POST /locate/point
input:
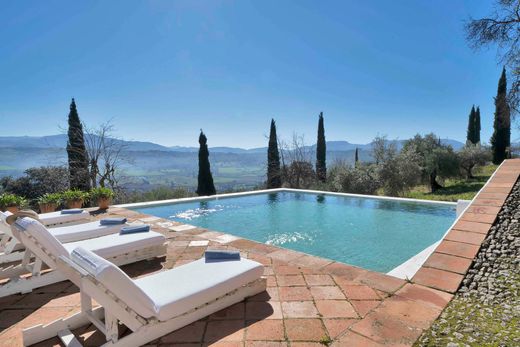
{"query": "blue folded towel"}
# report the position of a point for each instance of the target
(135, 229)
(72, 211)
(219, 255)
(112, 221)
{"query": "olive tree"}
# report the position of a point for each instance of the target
(471, 156)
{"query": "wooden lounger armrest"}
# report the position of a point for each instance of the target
(68, 262)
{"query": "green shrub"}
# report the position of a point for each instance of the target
(50, 198)
(11, 200)
(101, 193)
(74, 195)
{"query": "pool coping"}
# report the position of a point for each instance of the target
(276, 190)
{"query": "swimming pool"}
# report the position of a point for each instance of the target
(376, 234)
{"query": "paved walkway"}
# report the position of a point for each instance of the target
(309, 301)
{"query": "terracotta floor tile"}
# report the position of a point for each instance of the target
(488, 202)
(190, 333)
(318, 280)
(270, 294)
(311, 262)
(381, 281)
(287, 270)
(413, 312)
(294, 293)
(304, 329)
(383, 329)
(299, 309)
(222, 344)
(327, 293)
(359, 292)
(465, 236)
(475, 227)
(236, 311)
(9, 318)
(346, 271)
(494, 196)
(438, 279)
(290, 280)
(338, 326)
(266, 330)
(256, 310)
(335, 309)
(265, 344)
(459, 249)
(480, 218)
(224, 330)
(448, 262)
(425, 295)
(271, 281)
(285, 255)
(351, 339)
(363, 307)
(483, 209)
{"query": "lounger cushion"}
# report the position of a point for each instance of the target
(181, 289)
(84, 231)
(113, 245)
(57, 217)
(114, 279)
(43, 236)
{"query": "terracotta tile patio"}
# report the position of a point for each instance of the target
(309, 301)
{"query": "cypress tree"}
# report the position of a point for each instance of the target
(356, 157)
(77, 154)
(205, 179)
(321, 151)
(274, 179)
(501, 138)
(470, 136)
(477, 125)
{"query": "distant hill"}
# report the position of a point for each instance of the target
(60, 141)
(149, 164)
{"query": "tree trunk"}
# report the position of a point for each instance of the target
(469, 174)
(434, 186)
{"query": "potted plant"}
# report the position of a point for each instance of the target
(49, 202)
(11, 202)
(103, 196)
(74, 198)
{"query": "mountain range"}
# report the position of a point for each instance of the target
(60, 141)
(148, 165)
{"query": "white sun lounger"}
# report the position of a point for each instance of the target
(12, 250)
(151, 306)
(45, 248)
(51, 219)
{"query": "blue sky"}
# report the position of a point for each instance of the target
(161, 70)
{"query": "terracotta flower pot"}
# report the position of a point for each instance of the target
(48, 207)
(74, 203)
(103, 203)
(12, 209)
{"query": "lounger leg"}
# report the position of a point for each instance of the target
(41, 332)
(26, 285)
(112, 331)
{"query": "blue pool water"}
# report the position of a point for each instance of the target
(375, 234)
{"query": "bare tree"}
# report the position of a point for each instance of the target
(501, 28)
(106, 155)
(297, 168)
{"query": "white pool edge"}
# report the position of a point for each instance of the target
(407, 269)
(276, 190)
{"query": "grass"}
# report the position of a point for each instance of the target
(455, 189)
